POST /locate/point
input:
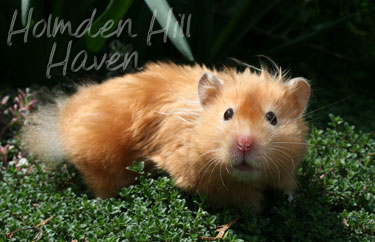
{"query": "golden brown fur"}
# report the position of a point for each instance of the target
(156, 115)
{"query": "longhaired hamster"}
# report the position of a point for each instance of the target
(227, 134)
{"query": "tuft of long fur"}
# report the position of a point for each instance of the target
(40, 135)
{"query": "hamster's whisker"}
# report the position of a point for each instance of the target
(206, 153)
(274, 164)
(206, 169)
(296, 143)
(280, 149)
(326, 106)
(203, 170)
(278, 163)
(305, 114)
(286, 154)
(283, 166)
(209, 178)
(283, 148)
(221, 178)
(206, 166)
(207, 163)
(263, 165)
(231, 167)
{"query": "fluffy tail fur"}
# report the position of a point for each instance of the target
(40, 135)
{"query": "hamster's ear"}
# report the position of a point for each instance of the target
(208, 87)
(299, 88)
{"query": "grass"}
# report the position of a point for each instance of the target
(335, 201)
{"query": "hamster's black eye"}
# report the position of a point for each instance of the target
(271, 117)
(228, 114)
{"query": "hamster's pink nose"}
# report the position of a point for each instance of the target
(245, 143)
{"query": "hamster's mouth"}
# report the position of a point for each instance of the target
(243, 166)
(245, 172)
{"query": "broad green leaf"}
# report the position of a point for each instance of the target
(166, 19)
(25, 7)
(115, 11)
(38, 9)
(246, 16)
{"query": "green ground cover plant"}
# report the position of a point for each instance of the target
(331, 43)
(335, 200)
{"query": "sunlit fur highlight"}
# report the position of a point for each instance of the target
(156, 116)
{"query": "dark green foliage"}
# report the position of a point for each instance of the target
(330, 43)
(151, 211)
(335, 201)
(217, 29)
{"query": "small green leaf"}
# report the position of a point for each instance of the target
(167, 19)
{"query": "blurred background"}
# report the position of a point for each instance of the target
(331, 43)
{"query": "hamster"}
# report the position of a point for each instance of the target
(226, 134)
